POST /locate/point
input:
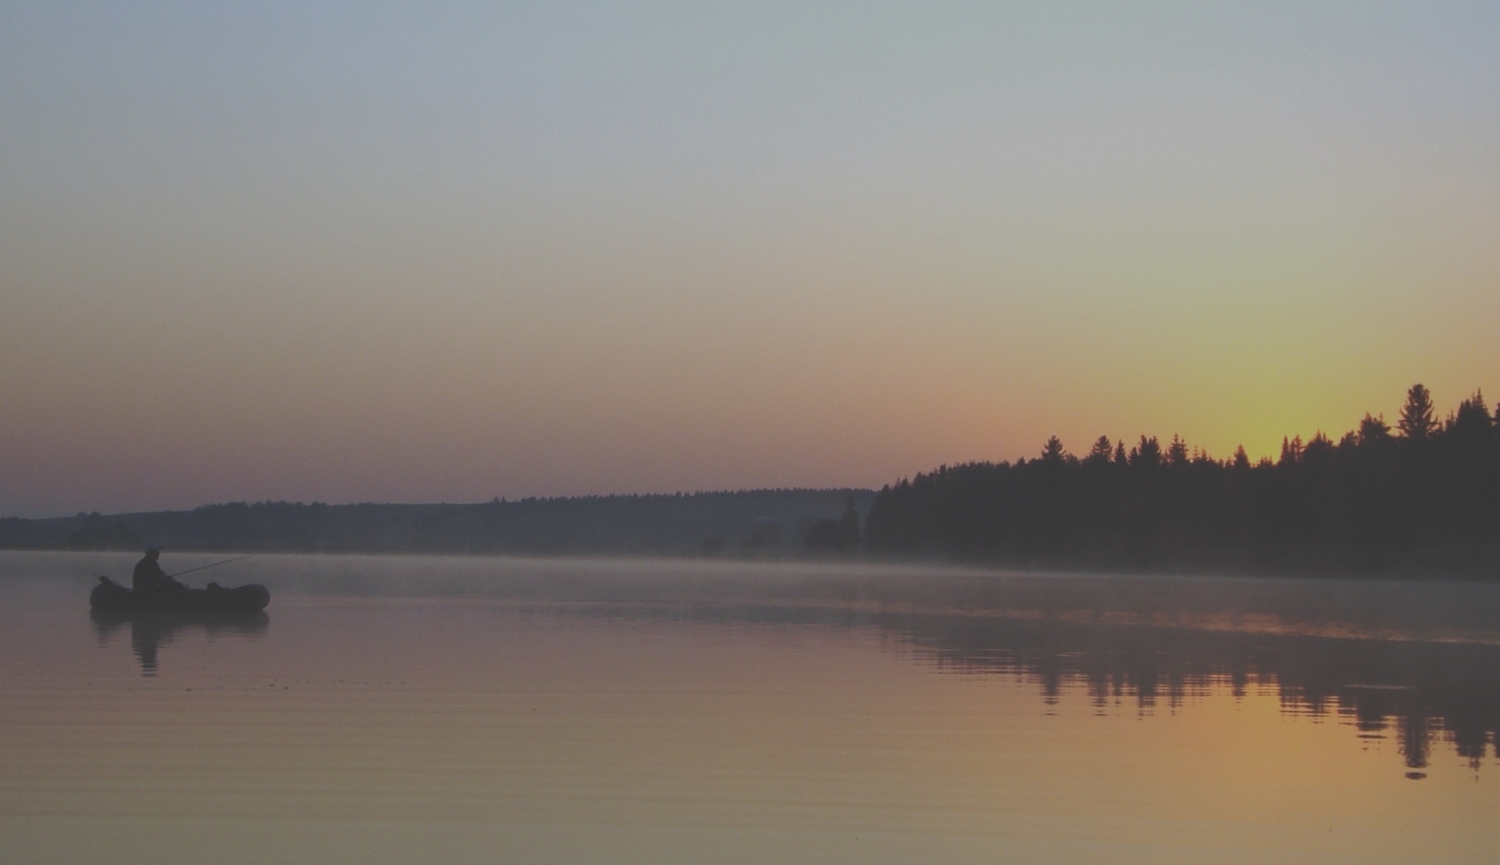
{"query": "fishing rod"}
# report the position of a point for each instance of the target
(214, 565)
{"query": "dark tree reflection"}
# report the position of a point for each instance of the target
(1415, 691)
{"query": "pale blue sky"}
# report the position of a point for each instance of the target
(376, 251)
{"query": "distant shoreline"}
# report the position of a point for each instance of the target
(1415, 501)
(750, 523)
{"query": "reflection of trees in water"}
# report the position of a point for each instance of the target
(1412, 691)
(1415, 691)
(150, 631)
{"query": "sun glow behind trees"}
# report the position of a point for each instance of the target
(1425, 501)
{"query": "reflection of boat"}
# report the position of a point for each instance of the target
(153, 628)
(110, 595)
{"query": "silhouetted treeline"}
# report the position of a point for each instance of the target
(1420, 499)
(748, 523)
(98, 532)
(835, 536)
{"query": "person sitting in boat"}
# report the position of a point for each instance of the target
(149, 577)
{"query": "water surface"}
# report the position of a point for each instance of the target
(448, 709)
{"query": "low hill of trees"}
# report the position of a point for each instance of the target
(755, 522)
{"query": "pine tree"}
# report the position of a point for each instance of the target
(1177, 451)
(1147, 453)
(1472, 417)
(1417, 423)
(1374, 430)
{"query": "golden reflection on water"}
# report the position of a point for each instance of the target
(431, 729)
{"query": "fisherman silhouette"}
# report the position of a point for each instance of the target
(149, 577)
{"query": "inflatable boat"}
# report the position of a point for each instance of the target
(110, 595)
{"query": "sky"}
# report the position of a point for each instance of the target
(446, 252)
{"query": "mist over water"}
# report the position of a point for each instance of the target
(453, 709)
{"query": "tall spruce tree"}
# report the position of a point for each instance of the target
(1099, 454)
(1417, 422)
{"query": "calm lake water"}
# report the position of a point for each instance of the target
(462, 710)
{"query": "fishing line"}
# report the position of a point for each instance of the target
(214, 565)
